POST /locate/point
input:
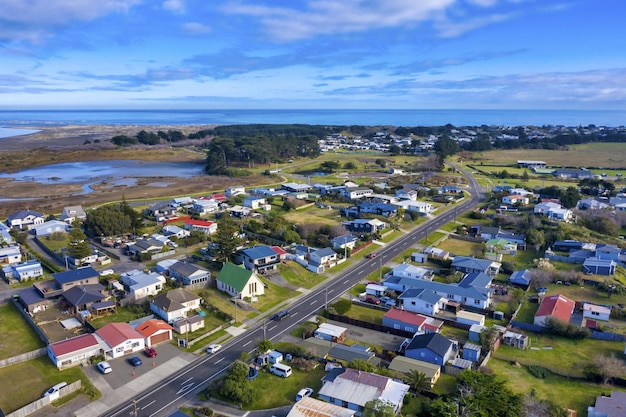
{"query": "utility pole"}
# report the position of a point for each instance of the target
(326, 299)
(135, 410)
(264, 327)
(380, 270)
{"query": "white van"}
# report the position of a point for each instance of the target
(281, 370)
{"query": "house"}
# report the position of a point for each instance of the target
(394, 276)
(189, 274)
(174, 304)
(596, 312)
(139, 284)
(203, 206)
(50, 227)
(204, 226)
(161, 210)
(592, 204)
(572, 173)
(545, 207)
(599, 266)
(346, 354)
(451, 189)
(179, 202)
(310, 407)
(515, 199)
(432, 348)
(23, 271)
(254, 203)
(501, 246)
(353, 389)
(145, 246)
(415, 206)
(378, 208)
(188, 324)
(121, 339)
(82, 297)
(611, 406)
(470, 264)
(155, 331)
(355, 193)
(611, 252)
(411, 322)
(421, 300)
(80, 276)
(234, 190)
(330, 332)
(554, 306)
(437, 253)
(474, 332)
(259, 258)
(324, 256)
(25, 219)
(10, 255)
(344, 242)
(471, 352)
(239, 282)
(179, 232)
(76, 350)
(407, 194)
(561, 214)
(522, 277)
(531, 164)
(517, 340)
(239, 211)
(375, 290)
(365, 225)
(5, 235)
(405, 365)
(73, 213)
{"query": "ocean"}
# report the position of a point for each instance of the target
(23, 118)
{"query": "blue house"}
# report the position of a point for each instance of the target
(259, 258)
(522, 277)
(599, 266)
(470, 264)
(431, 347)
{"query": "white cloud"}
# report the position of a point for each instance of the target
(177, 6)
(195, 28)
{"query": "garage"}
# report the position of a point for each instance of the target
(155, 331)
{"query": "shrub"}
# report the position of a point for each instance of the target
(538, 371)
(342, 306)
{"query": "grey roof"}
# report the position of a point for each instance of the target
(22, 214)
(462, 363)
(431, 341)
(348, 353)
(439, 287)
(470, 262)
(599, 262)
(173, 300)
(185, 268)
(476, 279)
(520, 277)
(75, 275)
(325, 252)
(83, 294)
(423, 294)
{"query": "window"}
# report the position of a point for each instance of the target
(476, 301)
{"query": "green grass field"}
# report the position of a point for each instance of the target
(17, 335)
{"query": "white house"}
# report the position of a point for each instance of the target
(50, 227)
(561, 214)
(415, 206)
(141, 284)
(121, 339)
(10, 255)
(179, 232)
(515, 199)
(254, 203)
(596, 312)
(72, 213)
(25, 219)
(421, 300)
(203, 226)
(354, 193)
(174, 304)
(203, 206)
(544, 208)
(76, 350)
(24, 271)
(234, 190)
(323, 256)
(239, 282)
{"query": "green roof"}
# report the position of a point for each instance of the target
(235, 276)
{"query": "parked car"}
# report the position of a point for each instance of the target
(372, 300)
(384, 299)
(280, 315)
(135, 360)
(390, 303)
(213, 348)
(55, 388)
(104, 367)
(304, 392)
(150, 352)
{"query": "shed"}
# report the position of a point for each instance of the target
(274, 356)
(330, 332)
(596, 312)
(471, 352)
(404, 365)
(462, 363)
(467, 317)
(474, 332)
(375, 290)
(418, 257)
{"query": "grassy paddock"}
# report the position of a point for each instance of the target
(277, 392)
(17, 336)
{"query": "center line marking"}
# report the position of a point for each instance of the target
(246, 344)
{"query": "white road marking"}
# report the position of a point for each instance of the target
(272, 328)
(185, 388)
(219, 361)
(313, 302)
(246, 344)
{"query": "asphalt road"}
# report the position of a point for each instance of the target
(165, 397)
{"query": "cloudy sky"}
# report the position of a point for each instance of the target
(415, 54)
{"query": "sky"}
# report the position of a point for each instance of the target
(318, 54)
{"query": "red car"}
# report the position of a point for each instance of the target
(372, 300)
(371, 256)
(150, 352)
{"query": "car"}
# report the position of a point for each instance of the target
(384, 299)
(371, 256)
(55, 388)
(372, 300)
(150, 352)
(134, 360)
(104, 367)
(213, 348)
(280, 315)
(390, 303)
(304, 392)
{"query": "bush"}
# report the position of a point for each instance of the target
(538, 371)
(342, 306)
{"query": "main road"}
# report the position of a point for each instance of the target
(164, 397)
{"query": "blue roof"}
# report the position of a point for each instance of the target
(325, 252)
(520, 277)
(258, 252)
(469, 262)
(471, 292)
(344, 239)
(423, 294)
(476, 279)
(75, 274)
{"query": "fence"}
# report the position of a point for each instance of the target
(23, 357)
(608, 336)
(30, 321)
(217, 329)
(527, 326)
(567, 373)
(466, 238)
(567, 259)
(371, 326)
(45, 401)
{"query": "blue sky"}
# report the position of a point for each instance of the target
(405, 54)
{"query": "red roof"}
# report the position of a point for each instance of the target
(219, 197)
(117, 333)
(201, 223)
(279, 250)
(151, 327)
(74, 344)
(557, 306)
(406, 317)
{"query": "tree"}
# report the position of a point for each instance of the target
(446, 147)
(609, 367)
(525, 177)
(488, 337)
(236, 385)
(418, 381)
(378, 408)
(265, 345)
(361, 365)
(484, 395)
(226, 238)
(78, 247)
(535, 238)
(570, 197)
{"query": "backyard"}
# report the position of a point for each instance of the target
(17, 336)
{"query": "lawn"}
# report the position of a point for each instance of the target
(297, 275)
(274, 295)
(276, 391)
(17, 335)
(431, 238)
(388, 237)
(29, 380)
(371, 315)
(122, 315)
(460, 247)
(567, 392)
(312, 215)
(450, 227)
(526, 314)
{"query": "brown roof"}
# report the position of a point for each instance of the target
(151, 327)
(117, 333)
(74, 344)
